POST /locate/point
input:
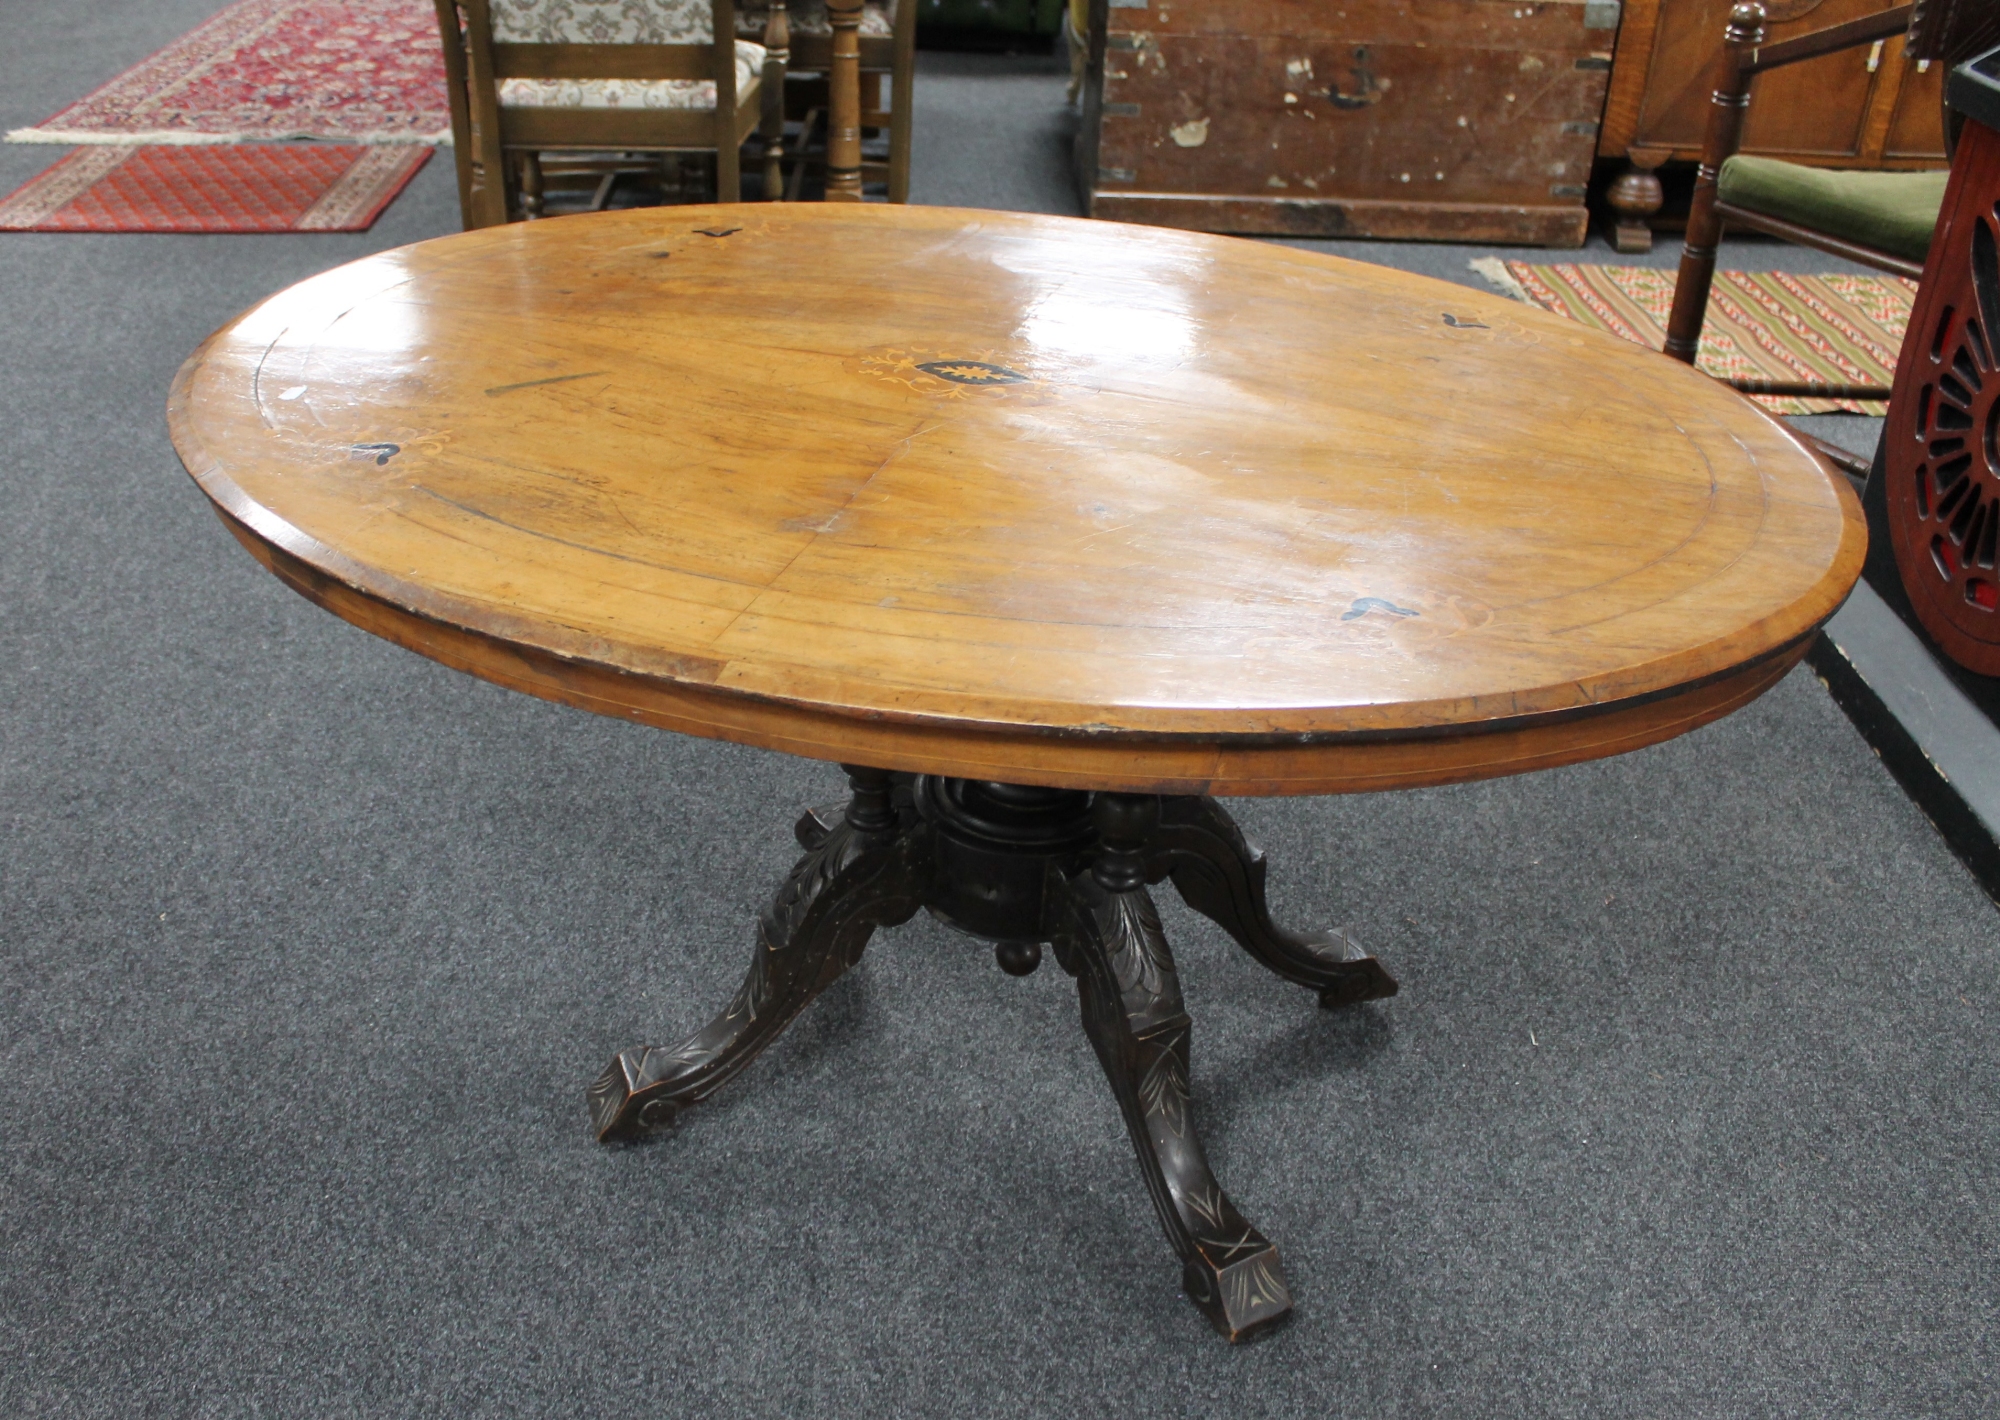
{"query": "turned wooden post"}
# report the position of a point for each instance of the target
(1728, 100)
(531, 185)
(777, 57)
(843, 137)
(728, 140)
(486, 180)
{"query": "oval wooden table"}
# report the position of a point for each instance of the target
(1048, 530)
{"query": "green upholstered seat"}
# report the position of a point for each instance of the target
(1892, 212)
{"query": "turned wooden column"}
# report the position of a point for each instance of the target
(843, 137)
(777, 57)
(1728, 100)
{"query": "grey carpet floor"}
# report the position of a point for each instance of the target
(308, 948)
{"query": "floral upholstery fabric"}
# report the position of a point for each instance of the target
(614, 22)
(808, 17)
(630, 93)
(603, 21)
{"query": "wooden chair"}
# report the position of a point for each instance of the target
(887, 35)
(595, 77)
(1883, 220)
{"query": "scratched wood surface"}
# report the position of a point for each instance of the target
(1020, 498)
(1453, 120)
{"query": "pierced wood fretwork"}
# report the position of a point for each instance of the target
(1941, 462)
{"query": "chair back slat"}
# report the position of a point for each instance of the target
(603, 61)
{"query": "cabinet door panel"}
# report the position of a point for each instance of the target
(1810, 110)
(1916, 130)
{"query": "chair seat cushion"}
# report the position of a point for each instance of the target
(808, 17)
(693, 94)
(1892, 212)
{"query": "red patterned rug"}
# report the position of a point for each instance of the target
(351, 71)
(252, 187)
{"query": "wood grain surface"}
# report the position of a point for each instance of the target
(1020, 498)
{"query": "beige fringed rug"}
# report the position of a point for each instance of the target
(1761, 325)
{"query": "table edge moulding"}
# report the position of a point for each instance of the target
(1271, 748)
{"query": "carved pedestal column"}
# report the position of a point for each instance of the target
(1020, 867)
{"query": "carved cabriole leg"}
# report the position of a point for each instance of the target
(1220, 874)
(1727, 102)
(862, 873)
(1108, 936)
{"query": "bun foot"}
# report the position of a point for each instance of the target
(1018, 958)
(1363, 979)
(1241, 1299)
(619, 1109)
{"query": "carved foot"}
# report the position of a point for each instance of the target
(860, 873)
(1109, 938)
(1220, 874)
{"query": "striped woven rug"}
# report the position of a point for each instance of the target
(1761, 325)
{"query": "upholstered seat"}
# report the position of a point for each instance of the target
(1892, 212)
(691, 94)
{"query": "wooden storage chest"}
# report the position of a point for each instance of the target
(1450, 120)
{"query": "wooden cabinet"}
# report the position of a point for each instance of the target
(1863, 108)
(1466, 120)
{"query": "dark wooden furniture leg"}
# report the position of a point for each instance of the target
(862, 874)
(1727, 102)
(1020, 867)
(1634, 197)
(1112, 944)
(1220, 874)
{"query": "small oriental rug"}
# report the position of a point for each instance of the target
(1763, 325)
(251, 187)
(349, 71)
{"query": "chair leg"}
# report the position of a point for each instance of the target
(728, 175)
(902, 100)
(777, 46)
(531, 185)
(1635, 197)
(1729, 98)
(843, 131)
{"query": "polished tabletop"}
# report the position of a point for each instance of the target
(1020, 498)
